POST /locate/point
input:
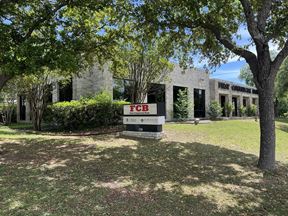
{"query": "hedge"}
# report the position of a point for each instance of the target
(85, 113)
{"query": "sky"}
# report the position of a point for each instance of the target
(230, 71)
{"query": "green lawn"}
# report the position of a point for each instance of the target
(206, 169)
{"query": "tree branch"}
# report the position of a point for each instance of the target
(263, 14)
(280, 58)
(251, 23)
(42, 19)
(247, 55)
(4, 79)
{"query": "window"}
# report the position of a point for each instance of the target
(199, 103)
(244, 102)
(66, 91)
(156, 93)
(22, 106)
(254, 101)
(122, 89)
(50, 94)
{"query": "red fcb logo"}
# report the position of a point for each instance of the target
(139, 108)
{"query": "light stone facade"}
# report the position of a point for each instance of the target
(99, 79)
(216, 92)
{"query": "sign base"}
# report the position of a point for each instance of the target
(143, 134)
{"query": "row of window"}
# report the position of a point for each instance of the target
(122, 90)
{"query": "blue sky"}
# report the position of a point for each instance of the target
(229, 71)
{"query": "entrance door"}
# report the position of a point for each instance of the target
(156, 94)
(235, 110)
(223, 101)
(199, 103)
(22, 108)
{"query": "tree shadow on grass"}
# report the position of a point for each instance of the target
(135, 177)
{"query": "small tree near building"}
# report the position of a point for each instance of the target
(37, 89)
(228, 109)
(143, 61)
(183, 105)
(8, 102)
(215, 110)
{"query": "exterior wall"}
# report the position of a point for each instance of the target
(100, 79)
(189, 78)
(216, 92)
(92, 82)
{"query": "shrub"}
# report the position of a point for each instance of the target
(243, 111)
(251, 110)
(183, 105)
(214, 110)
(8, 114)
(282, 106)
(228, 109)
(85, 113)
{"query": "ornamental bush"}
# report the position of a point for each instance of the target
(251, 110)
(85, 113)
(215, 110)
(228, 109)
(243, 111)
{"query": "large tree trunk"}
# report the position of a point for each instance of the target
(267, 126)
(3, 80)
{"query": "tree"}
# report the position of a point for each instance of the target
(213, 28)
(282, 80)
(8, 102)
(183, 105)
(282, 89)
(66, 35)
(143, 61)
(246, 75)
(281, 86)
(36, 88)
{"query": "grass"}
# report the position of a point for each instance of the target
(196, 170)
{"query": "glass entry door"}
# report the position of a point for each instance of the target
(199, 103)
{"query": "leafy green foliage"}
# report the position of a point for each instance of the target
(85, 113)
(246, 75)
(251, 110)
(8, 102)
(243, 111)
(143, 60)
(282, 80)
(228, 109)
(183, 105)
(215, 110)
(67, 36)
(282, 105)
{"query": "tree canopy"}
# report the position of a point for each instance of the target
(143, 60)
(64, 35)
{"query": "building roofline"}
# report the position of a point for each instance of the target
(233, 83)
